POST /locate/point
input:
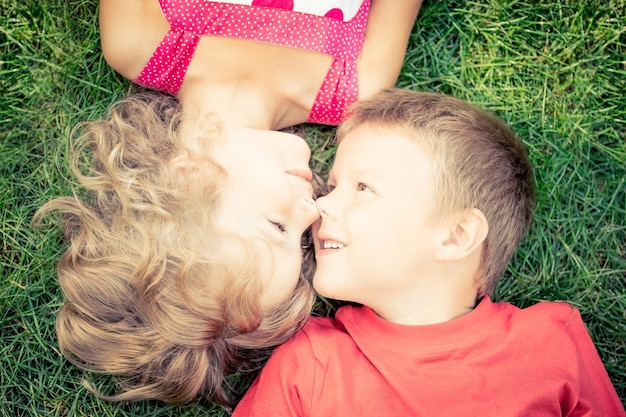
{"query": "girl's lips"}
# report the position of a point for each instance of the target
(305, 174)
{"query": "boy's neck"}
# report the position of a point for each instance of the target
(443, 292)
(432, 311)
(431, 301)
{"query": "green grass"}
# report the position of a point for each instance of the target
(555, 70)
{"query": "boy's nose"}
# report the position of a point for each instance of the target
(326, 206)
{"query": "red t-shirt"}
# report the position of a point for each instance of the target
(498, 360)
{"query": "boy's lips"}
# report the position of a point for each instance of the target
(328, 242)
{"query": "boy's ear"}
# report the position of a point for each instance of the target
(467, 233)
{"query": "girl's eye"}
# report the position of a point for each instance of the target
(279, 226)
(364, 187)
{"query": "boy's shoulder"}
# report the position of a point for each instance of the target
(320, 331)
(545, 314)
(318, 337)
(552, 325)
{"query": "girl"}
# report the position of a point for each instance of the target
(185, 251)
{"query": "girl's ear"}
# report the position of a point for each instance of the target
(186, 168)
(468, 232)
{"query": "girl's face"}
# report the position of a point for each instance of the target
(268, 197)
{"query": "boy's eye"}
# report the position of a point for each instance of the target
(279, 226)
(364, 187)
(330, 187)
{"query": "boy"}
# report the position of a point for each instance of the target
(428, 199)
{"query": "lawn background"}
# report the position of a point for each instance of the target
(555, 70)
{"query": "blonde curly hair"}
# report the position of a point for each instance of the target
(151, 295)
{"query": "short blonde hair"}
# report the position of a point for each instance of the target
(478, 162)
(150, 294)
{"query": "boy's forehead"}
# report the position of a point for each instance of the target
(366, 148)
(379, 130)
(358, 147)
(365, 140)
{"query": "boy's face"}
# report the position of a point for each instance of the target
(379, 225)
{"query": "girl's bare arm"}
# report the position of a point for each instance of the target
(386, 38)
(130, 30)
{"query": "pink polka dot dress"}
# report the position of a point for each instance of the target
(332, 27)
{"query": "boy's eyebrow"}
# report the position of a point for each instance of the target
(355, 170)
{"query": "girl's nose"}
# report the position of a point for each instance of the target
(310, 212)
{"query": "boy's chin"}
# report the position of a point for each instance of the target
(321, 285)
(325, 286)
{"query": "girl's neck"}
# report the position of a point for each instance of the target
(231, 104)
(242, 102)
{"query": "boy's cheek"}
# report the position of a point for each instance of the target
(315, 227)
